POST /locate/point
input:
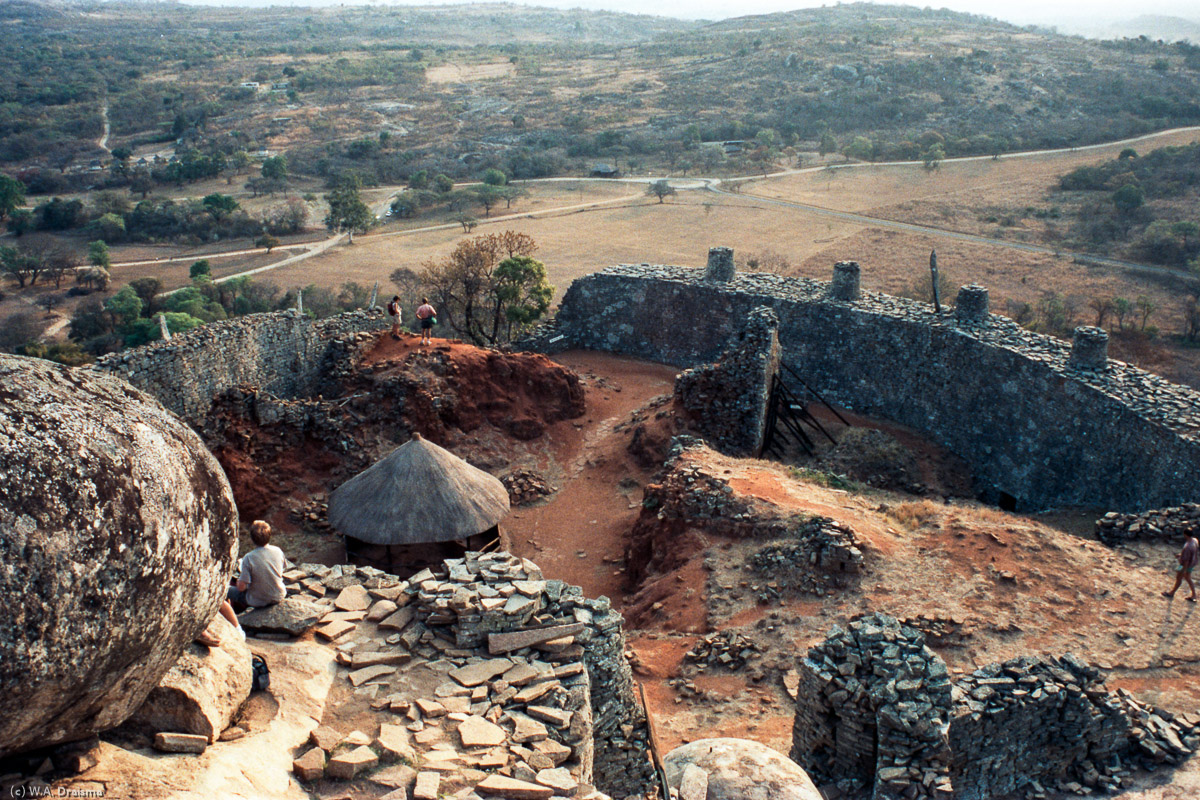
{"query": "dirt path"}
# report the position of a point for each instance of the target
(579, 535)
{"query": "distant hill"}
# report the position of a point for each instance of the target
(389, 91)
(1152, 26)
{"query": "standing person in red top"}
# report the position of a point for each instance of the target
(428, 315)
(1188, 558)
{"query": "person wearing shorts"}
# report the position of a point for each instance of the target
(393, 310)
(1188, 558)
(426, 314)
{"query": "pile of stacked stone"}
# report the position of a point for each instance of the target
(315, 515)
(1030, 719)
(728, 649)
(1174, 523)
(539, 694)
(875, 707)
(525, 487)
(726, 402)
(821, 544)
(687, 490)
(872, 710)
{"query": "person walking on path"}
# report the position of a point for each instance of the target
(1188, 557)
(393, 309)
(428, 315)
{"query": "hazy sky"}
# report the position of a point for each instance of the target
(1019, 11)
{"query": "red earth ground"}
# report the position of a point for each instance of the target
(1006, 584)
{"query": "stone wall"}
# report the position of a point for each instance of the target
(282, 352)
(876, 708)
(1175, 524)
(1033, 423)
(727, 401)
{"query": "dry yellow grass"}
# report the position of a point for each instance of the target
(466, 73)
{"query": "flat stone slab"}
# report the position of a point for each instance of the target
(508, 642)
(326, 738)
(399, 620)
(528, 730)
(381, 609)
(478, 732)
(500, 786)
(180, 743)
(555, 716)
(291, 615)
(482, 672)
(310, 766)
(394, 742)
(353, 598)
(349, 764)
(398, 776)
(559, 779)
(366, 659)
(555, 751)
(335, 630)
(427, 786)
(361, 676)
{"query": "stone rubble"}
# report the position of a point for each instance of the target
(537, 692)
(876, 708)
(525, 487)
(1174, 523)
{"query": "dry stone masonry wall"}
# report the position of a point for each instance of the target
(876, 708)
(1033, 422)
(1175, 523)
(284, 353)
(727, 401)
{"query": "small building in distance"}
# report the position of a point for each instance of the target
(605, 171)
(417, 506)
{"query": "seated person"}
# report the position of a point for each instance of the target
(260, 581)
(211, 637)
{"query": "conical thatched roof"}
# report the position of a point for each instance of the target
(419, 493)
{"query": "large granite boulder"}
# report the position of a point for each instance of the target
(739, 769)
(292, 615)
(203, 691)
(118, 536)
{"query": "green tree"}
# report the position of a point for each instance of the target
(147, 290)
(861, 148)
(275, 168)
(200, 269)
(443, 183)
(1129, 198)
(488, 196)
(1128, 152)
(494, 177)
(419, 179)
(14, 264)
(220, 205)
(828, 143)
(522, 292)
(474, 295)
(347, 211)
(124, 306)
(934, 156)
(268, 241)
(12, 196)
(98, 254)
(661, 189)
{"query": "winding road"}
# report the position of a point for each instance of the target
(716, 186)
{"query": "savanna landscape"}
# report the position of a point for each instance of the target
(167, 166)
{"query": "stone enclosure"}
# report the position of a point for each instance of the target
(1041, 423)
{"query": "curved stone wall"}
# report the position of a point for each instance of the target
(282, 352)
(1033, 424)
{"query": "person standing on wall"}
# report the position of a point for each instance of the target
(427, 314)
(1189, 556)
(393, 309)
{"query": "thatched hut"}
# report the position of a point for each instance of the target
(417, 506)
